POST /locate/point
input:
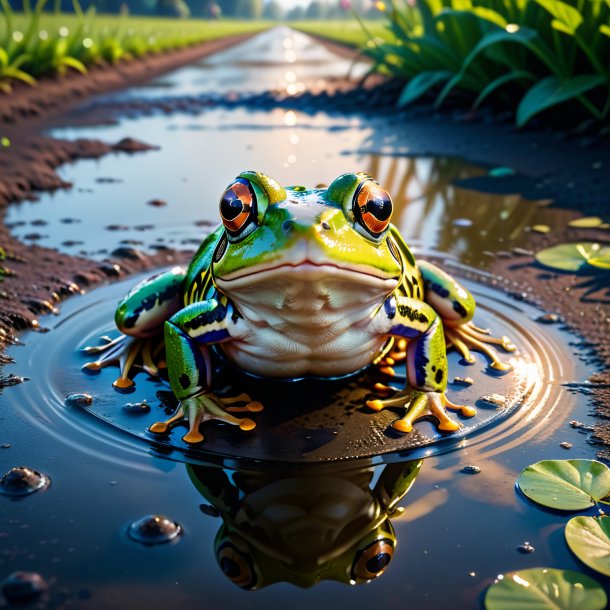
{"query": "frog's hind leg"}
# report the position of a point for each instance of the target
(140, 317)
(456, 306)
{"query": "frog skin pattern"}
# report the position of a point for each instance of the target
(300, 283)
(305, 526)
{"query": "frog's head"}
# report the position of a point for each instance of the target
(275, 234)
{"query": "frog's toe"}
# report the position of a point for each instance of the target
(163, 427)
(467, 337)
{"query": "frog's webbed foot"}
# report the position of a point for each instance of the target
(417, 405)
(468, 337)
(128, 353)
(203, 407)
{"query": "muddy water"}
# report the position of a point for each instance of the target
(271, 526)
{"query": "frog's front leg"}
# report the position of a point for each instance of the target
(456, 306)
(418, 323)
(139, 317)
(188, 334)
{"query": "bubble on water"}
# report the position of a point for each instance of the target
(78, 399)
(154, 529)
(22, 481)
(23, 587)
(471, 469)
(525, 548)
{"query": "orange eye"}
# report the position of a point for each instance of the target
(237, 566)
(372, 207)
(372, 560)
(237, 206)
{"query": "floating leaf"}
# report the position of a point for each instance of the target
(571, 257)
(541, 228)
(586, 222)
(499, 172)
(545, 589)
(589, 540)
(565, 484)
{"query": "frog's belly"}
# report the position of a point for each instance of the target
(296, 352)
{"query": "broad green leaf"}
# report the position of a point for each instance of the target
(500, 82)
(572, 257)
(560, 26)
(565, 484)
(551, 91)
(545, 589)
(73, 63)
(420, 84)
(589, 539)
(489, 15)
(586, 222)
(605, 29)
(563, 12)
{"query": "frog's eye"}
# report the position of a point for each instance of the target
(371, 561)
(372, 208)
(237, 566)
(238, 206)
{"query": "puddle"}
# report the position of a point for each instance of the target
(274, 526)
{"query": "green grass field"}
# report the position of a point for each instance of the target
(42, 43)
(348, 32)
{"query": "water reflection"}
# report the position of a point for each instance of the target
(293, 148)
(305, 525)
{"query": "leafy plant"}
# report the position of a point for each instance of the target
(575, 257)
(589, 540)
(545, 589)
(541, 53)
(35, 43)
(566, 484)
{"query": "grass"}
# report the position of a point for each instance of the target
(347, 32)
(37, 43)
(529, 56)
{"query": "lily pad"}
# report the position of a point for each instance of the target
(589, 540)
(565, 484)
(541, 228)
(571, 257)
(586, 222)
(545, 589)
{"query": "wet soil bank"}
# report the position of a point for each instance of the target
(35, 279)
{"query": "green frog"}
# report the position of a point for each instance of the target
(299, 283)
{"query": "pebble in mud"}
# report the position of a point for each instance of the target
(548, 318)
(492, 400)
(78, 399)
(463, 381)
(136, 408)
(525, 548)
(154, 529)
(23, 587)
(157, 203)
(22, 481)
(471, 469)
(565, 445)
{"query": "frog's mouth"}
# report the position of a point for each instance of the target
(307, 272)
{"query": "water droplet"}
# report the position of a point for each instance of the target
(462, 222)
(23, 587)
(471, 469)
(525, 548)
(154, 529)
(22, 481)
(78, 399)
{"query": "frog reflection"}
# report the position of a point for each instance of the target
(305, 526)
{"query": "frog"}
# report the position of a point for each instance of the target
(300, 283)
(305, 526)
